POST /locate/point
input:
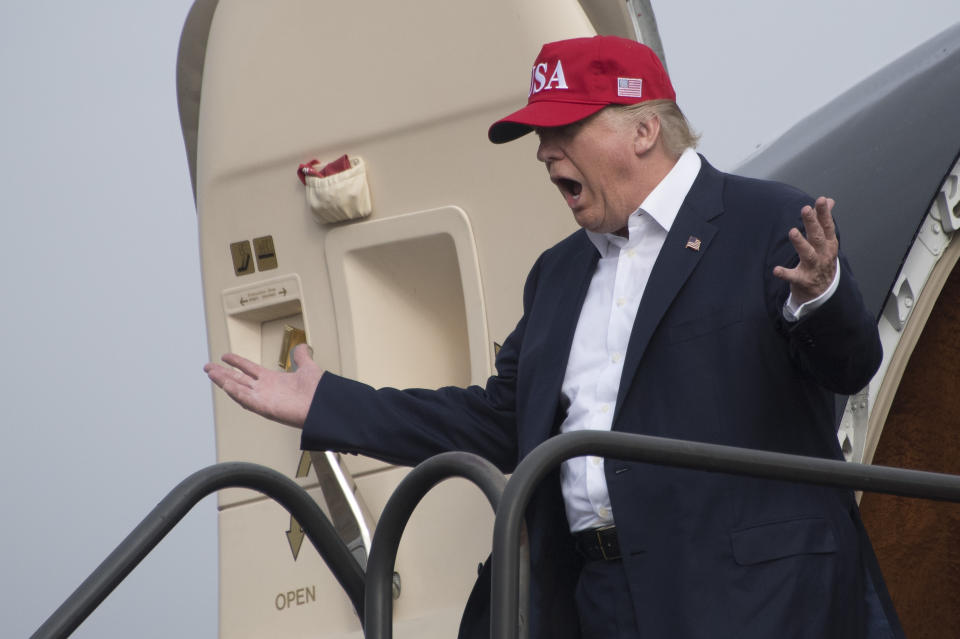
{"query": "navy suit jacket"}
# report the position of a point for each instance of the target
(710, 359)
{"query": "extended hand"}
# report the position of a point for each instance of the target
(817, 251)
(280, 396)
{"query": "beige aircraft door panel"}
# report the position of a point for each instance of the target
(408, 300)
(256, 315)
(359, 70)
(446, 538)
(414, 295)
(273, 583)
(264, 590)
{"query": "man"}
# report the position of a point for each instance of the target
(689, 306)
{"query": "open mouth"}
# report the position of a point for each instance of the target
(569, 188)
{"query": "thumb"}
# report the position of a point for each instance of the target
(302, 355)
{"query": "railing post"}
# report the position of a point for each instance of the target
(378, 623)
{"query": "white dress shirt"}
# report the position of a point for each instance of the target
(592, 378)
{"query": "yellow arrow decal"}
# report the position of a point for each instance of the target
(295, 536)
(304, 468)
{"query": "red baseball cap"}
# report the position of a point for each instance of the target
(572, 79)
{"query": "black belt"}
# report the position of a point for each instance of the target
(598, 544)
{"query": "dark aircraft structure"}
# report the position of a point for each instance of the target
(888, 150)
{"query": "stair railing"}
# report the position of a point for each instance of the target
(372, 597)
(378, 623)
(174, 507)
(505, 588)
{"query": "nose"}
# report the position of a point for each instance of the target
(548, 150)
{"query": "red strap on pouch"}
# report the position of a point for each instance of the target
(342, 163)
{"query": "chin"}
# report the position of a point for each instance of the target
(588, 221)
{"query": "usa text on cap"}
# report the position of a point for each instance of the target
(573, 79)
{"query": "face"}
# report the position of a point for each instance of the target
(594, 163)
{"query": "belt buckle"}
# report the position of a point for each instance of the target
(603, 547)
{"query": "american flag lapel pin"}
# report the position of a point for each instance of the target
(693, 243)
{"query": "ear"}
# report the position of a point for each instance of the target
(646, 135)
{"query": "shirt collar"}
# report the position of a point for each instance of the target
(662, 204)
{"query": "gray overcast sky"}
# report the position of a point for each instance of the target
(102, 332)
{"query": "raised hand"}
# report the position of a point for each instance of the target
(817, 251)
(277, 395)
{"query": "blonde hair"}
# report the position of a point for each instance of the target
(675, 131)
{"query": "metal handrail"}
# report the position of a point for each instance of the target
(505, 606)
(175, 506)
(386, 540)
(508, 498)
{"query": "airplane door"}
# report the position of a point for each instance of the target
(417, 293)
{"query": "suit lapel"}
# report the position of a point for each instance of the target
(576, 278)
(674, 265)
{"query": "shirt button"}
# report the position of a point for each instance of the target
(615, 358)
(621, 301)
(605, 408)
(631, 252)
(596, 461)
(603, 512)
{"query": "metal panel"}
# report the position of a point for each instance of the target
(882, 150)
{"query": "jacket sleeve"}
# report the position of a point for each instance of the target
(837, 345)
(408, 426)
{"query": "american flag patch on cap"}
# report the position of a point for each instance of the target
(629, 87)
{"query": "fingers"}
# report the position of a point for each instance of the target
(818, 224)
(276, 395)
(804, 246)
(824, 207)
(786, 274)
(217, 374)
(244, 375)
(817, 250)
(811, 226)
(252, 369)
(818, 243)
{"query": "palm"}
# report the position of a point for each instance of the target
(281, 396)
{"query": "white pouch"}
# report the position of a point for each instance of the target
(341, 196)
